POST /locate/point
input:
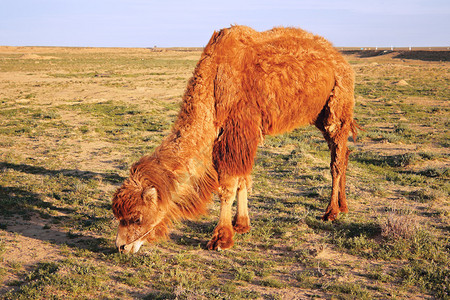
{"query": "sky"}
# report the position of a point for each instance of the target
(190, 23)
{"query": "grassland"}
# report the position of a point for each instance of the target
(73, 120)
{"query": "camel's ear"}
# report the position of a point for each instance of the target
(150, 195)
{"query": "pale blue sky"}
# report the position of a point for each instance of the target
(167, 23)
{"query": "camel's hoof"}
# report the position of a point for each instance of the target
(330, 216)
(241, 225)
(343, 209)
(222, 239)
(241, 229)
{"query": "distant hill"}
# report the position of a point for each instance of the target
(435, 54)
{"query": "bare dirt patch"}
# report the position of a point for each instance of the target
(74, 119)
(35, 56)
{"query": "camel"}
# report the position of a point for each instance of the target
(246, 85)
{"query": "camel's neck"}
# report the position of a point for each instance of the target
(187, 151)
(194, 132)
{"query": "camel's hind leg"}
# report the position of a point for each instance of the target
(342, 197)
(338, 165)
(241, 222)
(336, 121)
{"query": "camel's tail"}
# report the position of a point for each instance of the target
(354, 128)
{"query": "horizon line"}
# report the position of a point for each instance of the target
(441, 48)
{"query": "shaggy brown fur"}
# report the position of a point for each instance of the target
(246, 85)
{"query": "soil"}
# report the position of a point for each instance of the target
(31, 241)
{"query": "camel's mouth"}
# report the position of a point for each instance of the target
(124, 245)
(129, 248)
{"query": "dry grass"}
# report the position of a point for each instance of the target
(398, 226)
(73, 120)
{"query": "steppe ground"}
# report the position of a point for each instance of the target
(73, 120)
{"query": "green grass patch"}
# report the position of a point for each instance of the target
(73, 124)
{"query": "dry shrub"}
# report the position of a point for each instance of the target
(399, 226)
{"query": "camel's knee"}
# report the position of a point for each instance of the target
(245, 183)
(228, 186)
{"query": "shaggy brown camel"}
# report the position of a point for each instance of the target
(246, 85)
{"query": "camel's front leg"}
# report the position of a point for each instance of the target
(223, 233)
(241, 222)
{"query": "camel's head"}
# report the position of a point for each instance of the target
(140, 216)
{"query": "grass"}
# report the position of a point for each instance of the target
(72, 126)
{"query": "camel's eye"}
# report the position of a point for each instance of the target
(135, 220)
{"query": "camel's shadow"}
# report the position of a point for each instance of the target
(110, 177)
(25, 212)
